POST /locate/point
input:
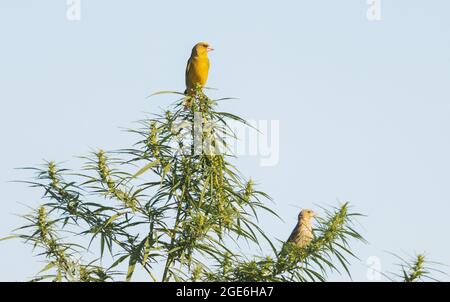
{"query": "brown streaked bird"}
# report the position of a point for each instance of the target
(303, 233)
(197, 68)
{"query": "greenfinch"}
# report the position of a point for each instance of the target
(197, 67)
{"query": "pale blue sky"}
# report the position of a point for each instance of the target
(363, 106)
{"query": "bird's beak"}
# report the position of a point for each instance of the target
(208, 49)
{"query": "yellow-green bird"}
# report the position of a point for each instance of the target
(197, 67)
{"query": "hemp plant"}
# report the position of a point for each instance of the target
(174, 205)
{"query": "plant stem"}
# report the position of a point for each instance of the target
(172, 241)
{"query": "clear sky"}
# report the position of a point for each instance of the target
(363, 106)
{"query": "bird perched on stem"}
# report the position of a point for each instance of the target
(302, 233)
(197, 67)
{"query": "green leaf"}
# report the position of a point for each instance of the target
(131, 266)
(59, 276)
(118, 261)
(113, 217)
(145, 168)
(165, 92)
(165, 171)
(146, 250)
(47, 267)
(9, 237)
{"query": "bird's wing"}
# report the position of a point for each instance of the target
(188, 67)
(293, 234)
